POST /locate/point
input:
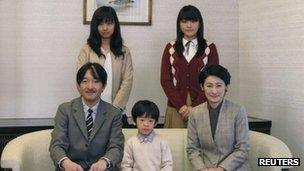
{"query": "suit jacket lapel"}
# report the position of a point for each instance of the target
(206, 121)
(115, 73)
(80, 116)
(220, 120)
(100, 118)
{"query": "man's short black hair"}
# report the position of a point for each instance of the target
(145, 108)
(99, 73)
(214, 70)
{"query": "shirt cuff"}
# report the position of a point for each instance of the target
(109, 164)
(60, 162)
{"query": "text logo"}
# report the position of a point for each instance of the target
(278, 161)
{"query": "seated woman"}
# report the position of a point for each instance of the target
(218, 136)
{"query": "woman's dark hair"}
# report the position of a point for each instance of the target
(145, 108)
(105, 14)
(99, 73)
(215, 70)
(191, 13)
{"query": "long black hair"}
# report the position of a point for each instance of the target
(105, 14)
(190, 12)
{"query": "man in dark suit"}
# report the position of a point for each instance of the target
(88, 131)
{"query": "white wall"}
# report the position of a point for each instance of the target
(38, 46)
(271, 66)
(41, 39)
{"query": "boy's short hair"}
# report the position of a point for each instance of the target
(145, 108)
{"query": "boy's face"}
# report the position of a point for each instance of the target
(145, 125)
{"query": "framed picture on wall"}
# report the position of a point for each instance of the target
(129, 12)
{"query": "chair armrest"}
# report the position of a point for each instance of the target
(266, 146)
(12, 154)
(28, 152)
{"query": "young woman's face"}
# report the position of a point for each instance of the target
(215, 90)
(106, 29)
(189, 28)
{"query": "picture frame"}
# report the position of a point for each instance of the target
(129, 12)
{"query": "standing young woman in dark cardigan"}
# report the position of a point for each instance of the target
(182, 61)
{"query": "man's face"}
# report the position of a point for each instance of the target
(90, 89)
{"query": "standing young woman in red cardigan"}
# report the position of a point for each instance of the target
(182, 61)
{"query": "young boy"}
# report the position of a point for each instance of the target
(146, 150)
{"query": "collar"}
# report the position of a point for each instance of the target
(217, 109)
(103, 51)
(146, 139)
(86, 107)
(193, 42)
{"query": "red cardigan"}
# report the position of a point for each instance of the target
(178, 77)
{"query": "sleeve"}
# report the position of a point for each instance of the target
(213, 57)
(124, 90)
(166, 80)
(59, 136)
(127, 160)
(241, 147)
(82, 58)
(166, 157)
(114, 151)
(193, 147)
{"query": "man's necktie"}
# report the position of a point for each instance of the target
(89, 122)
(187, 45)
